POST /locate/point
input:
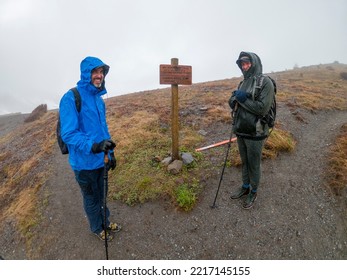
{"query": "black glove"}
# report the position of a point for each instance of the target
(103, 146)
(241, 96)
(112, 163)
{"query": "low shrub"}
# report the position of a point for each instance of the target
(37, 113)
(343, 75)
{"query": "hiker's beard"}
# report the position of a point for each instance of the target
(97, 84)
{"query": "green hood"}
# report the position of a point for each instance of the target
(256, 68)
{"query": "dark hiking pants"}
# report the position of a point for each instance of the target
(250, 153)
(92, 188)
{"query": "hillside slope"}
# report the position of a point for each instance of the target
(295, 216)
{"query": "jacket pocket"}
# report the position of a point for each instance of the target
(246, 123)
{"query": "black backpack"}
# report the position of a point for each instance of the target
(63, 147)
(270, 117)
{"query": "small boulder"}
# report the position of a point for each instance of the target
(187, 158)
(175, 167)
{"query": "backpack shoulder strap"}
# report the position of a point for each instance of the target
(257, 85)
(274, 84)
(259, 81)
(77, 98)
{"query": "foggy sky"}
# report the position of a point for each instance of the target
(44, 41)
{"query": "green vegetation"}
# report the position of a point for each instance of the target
(186, 196)
(140, 176)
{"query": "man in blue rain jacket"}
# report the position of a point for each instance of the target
(88, 140)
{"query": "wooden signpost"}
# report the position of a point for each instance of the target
(174, 75)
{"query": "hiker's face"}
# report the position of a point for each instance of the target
(245, 65)
(98, 77)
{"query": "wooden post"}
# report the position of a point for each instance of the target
(174, 110)
(174, 75)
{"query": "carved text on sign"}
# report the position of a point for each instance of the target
(175, 75)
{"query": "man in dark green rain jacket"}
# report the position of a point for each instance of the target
(249, 105)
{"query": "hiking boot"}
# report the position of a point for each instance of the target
(243, 191)
(114, 227)
(252, 196)
(101, 236)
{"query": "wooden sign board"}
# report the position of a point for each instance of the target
(175, 75)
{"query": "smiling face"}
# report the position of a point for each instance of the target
(98, 76)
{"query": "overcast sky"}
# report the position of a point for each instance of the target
(44, 41)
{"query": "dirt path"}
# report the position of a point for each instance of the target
(294, 216)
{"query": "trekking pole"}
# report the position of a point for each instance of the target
(225, 162)
(105, 195)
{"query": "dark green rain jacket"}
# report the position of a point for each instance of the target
(247, 115)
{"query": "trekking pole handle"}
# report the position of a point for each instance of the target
(106, 157)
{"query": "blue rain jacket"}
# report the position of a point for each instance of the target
(80, 130)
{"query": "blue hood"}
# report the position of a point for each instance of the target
(87, 66)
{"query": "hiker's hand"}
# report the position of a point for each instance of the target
(103, 146)
(112, 163)
(241, 96)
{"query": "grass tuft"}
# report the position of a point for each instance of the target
(185, 197)
(278, 141)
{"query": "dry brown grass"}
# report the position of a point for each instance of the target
(313, 88)
(278, 141)
(336, 173)
(314, 101)
(24, 168)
